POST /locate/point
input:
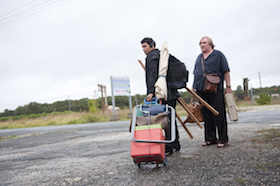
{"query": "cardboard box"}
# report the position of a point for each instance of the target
(148, 152)
(232, 108)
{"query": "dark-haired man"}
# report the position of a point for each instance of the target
(151, 66)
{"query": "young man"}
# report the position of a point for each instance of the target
(151, 67)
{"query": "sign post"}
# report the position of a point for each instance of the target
(120, 86)
(114, 117)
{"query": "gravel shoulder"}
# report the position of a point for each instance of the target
(248, 160)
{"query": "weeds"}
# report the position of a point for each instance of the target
(265, 166)
(240, 180)
(25, 117)
(243, 103)
(262, 166)
(8, 137)
(270, 137)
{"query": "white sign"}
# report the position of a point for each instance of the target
(121, 86)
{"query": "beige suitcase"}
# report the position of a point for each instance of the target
(231, 106)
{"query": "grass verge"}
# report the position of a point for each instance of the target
(63, 118)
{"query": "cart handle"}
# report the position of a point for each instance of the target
(133, 125)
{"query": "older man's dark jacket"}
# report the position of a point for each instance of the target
(152, 65)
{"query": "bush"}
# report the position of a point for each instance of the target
(4, 118)
(92, 105)
(91, 119)
(263, 99)
(84, 119)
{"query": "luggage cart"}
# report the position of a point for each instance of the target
(148, 141)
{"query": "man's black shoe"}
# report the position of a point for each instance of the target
(178, 148)
(168, 152)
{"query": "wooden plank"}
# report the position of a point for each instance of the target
(106, 107)
(195, 110)
(187, 130)
(214, 111)
(141, 64)
(189, 111)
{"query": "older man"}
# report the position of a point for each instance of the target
(214, 62)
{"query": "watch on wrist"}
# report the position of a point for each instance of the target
(228, 86)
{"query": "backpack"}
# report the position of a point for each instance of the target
(177, 74)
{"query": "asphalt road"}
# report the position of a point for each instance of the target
(99, 154)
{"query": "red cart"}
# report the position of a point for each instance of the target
(148, 141)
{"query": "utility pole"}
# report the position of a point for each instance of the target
(101, 89)
(252, 98)
(106, 103)
(69, 105)
(246, 89)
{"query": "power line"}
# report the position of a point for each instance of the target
(17, 8)
(25, 14)
(41, 101)
(19, 13)
(32, 10)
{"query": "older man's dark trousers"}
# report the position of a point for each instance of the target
(212, 122)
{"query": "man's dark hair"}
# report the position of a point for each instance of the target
(148, 40)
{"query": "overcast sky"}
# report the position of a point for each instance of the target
(58, 48)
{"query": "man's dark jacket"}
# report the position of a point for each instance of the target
(152, 65)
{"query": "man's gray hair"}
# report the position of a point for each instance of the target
(210, 41)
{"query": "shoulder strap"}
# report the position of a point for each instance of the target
(202, 64)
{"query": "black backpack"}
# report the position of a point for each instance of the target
(177, 74)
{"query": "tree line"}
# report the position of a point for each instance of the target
(120, 101)
(239, 93)
(75, 105)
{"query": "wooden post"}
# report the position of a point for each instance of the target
(106, 107)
